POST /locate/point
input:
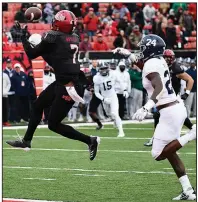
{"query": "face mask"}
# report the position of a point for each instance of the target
(46, 71)
(122, 68)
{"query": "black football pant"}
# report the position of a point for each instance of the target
(156, 117)
(56, 96)
(122, 104)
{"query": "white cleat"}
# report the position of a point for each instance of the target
(188, 195)
(149, 143)
(121, 134)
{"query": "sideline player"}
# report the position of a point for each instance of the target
(177, 74)
(104, 82)
(59, 48)
(156, 80)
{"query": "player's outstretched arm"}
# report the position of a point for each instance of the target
(32, 52)
(126, 53)
(189, 82)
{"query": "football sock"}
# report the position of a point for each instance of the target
(98, 121)
(118, 122)
(183, 140)
(35, 119)
(188, 123)
(185, 183)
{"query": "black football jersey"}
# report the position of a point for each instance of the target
(60, 51)
(176, 69)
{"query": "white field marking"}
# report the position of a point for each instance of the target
(30, 178)
(83, 124)
(172, 169)
(88, 124)
(100, 171)
(81, 150)
(87, 175)
(25, 200)
(88, 128)
(113, 138)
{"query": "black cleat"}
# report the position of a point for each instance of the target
(93, 147)
(99, 127)
(20, 144)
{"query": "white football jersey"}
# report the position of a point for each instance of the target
(105, 84)
(160, 66)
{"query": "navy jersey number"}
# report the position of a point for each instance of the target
(107, 85)
(168, 83)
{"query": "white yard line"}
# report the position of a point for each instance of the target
(82, 150)
(60, 137)
(172, 169)
(87, 175)
(99, 171)
(82, 124)
(88, 128)
(89, 124)
(25, 200)
(45, 179)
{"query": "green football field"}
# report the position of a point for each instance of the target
(59, 169)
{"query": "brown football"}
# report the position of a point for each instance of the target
(33, 14)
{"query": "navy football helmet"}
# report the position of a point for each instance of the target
(85, 63)
(151, 46)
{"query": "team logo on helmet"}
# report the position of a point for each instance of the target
(59, 16)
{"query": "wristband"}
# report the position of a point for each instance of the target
(187, 92)
(149, 105)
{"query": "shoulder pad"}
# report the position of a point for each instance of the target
(177, 69)
(50, 36)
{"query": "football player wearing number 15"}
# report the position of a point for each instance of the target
(104, 82)
(156, 81)
(59, 48)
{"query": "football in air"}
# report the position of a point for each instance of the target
(33, 14)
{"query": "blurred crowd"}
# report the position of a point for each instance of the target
(103, 26)
(19, 91)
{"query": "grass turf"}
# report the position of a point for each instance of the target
(118, 174)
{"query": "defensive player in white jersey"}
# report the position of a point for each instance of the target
(156, 80)
(104, 82)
